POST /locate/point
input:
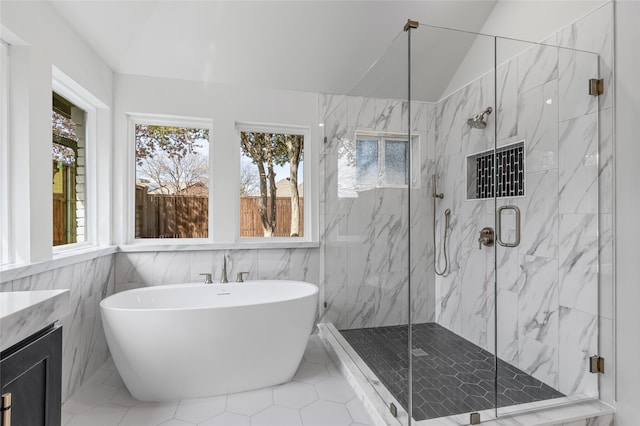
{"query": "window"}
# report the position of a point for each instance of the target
(172, 180)
(271, 182)
(381, 161)
(5, 253)
(69, 171)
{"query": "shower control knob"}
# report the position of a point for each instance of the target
(486, 237)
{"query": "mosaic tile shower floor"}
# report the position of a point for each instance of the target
(451, 375)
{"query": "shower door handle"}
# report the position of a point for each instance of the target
(499, 226)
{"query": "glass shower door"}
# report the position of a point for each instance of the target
(546, 225)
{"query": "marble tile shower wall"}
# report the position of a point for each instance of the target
(550, 320)
(364, 232)
(84, 346)
(141, 269)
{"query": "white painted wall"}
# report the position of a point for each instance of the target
(40, 40)
(225, 105)
(627, 206)
(522, 20)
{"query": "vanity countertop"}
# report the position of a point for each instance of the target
(23, 313)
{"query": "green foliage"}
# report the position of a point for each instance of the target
(264, 147)
(267, 150)
(63, 127)
(176, 142)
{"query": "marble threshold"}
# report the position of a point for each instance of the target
(376, 398)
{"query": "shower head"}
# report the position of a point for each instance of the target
(478, 122)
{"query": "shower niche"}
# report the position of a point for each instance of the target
(499, 174)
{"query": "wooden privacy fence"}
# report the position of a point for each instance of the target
(58, 220)
(171, 216)
(251, 225)
(187, 216)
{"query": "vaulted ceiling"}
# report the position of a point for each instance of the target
(316, 46)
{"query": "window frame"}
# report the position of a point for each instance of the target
(308, 234)
(134, 119)
(65, 87)
(382, 138)
(6, 245)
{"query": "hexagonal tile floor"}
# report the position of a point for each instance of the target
(451, 375)
(317, 395)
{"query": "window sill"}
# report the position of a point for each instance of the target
(12, 271)
(244, 245)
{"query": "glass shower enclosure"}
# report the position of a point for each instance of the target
(459, 223)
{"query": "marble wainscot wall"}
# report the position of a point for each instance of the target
(147, 268)
(548, 287)
(364, 250)
(84, 348)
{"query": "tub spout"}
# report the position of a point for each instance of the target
(224, 270)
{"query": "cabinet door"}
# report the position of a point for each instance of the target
(33, 376)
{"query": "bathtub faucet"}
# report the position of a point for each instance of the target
(224, 270)
(207, 278)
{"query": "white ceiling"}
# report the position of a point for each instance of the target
(316, 46)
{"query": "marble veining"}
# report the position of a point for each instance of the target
(84, 346)
(579, 262)
(148, 268)
(560, 272)
(366, 227)
(23, 313)
(578, 170)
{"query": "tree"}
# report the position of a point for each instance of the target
(174, 174)
(267, 150)
(249, 180)
(293, 144)
(174, 141)
(168, 156)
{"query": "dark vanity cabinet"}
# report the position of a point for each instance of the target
(31, 373)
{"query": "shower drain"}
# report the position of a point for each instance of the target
(418, 352)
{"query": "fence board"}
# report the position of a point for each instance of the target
(251, 225)
(187, 216)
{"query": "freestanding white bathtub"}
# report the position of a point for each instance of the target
(194, 340)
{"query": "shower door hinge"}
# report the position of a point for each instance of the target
(393, 409)
(596, 86)
(474, 418)
(596, 364)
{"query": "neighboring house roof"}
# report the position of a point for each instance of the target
(195, 189)
(153, 188)
(283, 188)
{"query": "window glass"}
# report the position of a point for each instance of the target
(69, 172)
(271, 184)
(367, 163)
(380, 161)
(172, 182)
(395, 162)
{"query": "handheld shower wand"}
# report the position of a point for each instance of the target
(433, 188)
(447, 216)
